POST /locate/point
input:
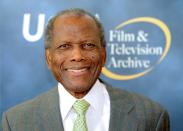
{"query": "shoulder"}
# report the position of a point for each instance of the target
(144, 108)
(27, 108)
(138, 100)
(149, 114)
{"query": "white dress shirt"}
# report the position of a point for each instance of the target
(98, 113)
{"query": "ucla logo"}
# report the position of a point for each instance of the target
(136, 47)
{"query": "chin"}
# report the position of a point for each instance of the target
(81, 86)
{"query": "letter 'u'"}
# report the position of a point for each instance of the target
(26, 28)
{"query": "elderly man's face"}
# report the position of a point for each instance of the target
(76, 56)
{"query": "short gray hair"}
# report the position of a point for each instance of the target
(76, 12)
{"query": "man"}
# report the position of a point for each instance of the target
(75, 53)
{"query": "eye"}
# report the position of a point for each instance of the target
(88, 45)
(64, 46)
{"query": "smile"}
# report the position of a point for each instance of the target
(78, 70)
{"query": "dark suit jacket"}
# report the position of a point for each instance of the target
(129, 112)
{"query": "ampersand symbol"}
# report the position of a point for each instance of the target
(142, 36)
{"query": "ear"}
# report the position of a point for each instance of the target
(48, 57)
(103, 56)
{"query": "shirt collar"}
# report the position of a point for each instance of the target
(95, 97)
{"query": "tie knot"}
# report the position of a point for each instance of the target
(81, 106)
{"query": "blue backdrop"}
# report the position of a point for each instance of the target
(24, 73)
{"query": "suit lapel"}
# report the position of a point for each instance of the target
(49, 113)
(122, 114)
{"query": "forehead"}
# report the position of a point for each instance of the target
(72, 23)
(72, 18)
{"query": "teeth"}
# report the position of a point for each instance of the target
(77, 70)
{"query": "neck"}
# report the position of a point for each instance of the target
(79, 95)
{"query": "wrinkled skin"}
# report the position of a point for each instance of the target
(76, 55)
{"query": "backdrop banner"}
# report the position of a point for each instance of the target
(144, 49)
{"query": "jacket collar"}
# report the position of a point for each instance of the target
(121, 106)
(50, 112)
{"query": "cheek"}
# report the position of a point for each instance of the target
(58, 60)
(95, 58)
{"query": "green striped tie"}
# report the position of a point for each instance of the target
(80, 107)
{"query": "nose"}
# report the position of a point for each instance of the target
(77, 55)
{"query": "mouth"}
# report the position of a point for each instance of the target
(77, 71)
